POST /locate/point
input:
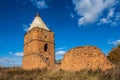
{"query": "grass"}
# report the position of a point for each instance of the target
(20, 74)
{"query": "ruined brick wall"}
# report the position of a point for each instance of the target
(38, 49)
(86, 57)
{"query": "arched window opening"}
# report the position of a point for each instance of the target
(45, 47)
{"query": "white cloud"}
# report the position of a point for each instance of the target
(60, 52)
(25, 28)
(116, 42)
(108, 20)
(90, 10)
(111, 13)
(4, 59)
(61, 48)
(16, 59)
(7, 62)
(114, 24)
(19, 54)
(40, 4)
(103, 20)
(117, 16)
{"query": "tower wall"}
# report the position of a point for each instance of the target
(38, 49)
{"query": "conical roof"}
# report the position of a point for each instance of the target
(37, 22)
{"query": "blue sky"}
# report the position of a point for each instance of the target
(74, 22)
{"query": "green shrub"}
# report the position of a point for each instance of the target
(114, 55)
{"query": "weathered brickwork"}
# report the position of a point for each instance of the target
(38, 49)
(86, 57)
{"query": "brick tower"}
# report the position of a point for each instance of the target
(38, 46)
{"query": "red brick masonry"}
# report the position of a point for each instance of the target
(86, 57)
(38, 49)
